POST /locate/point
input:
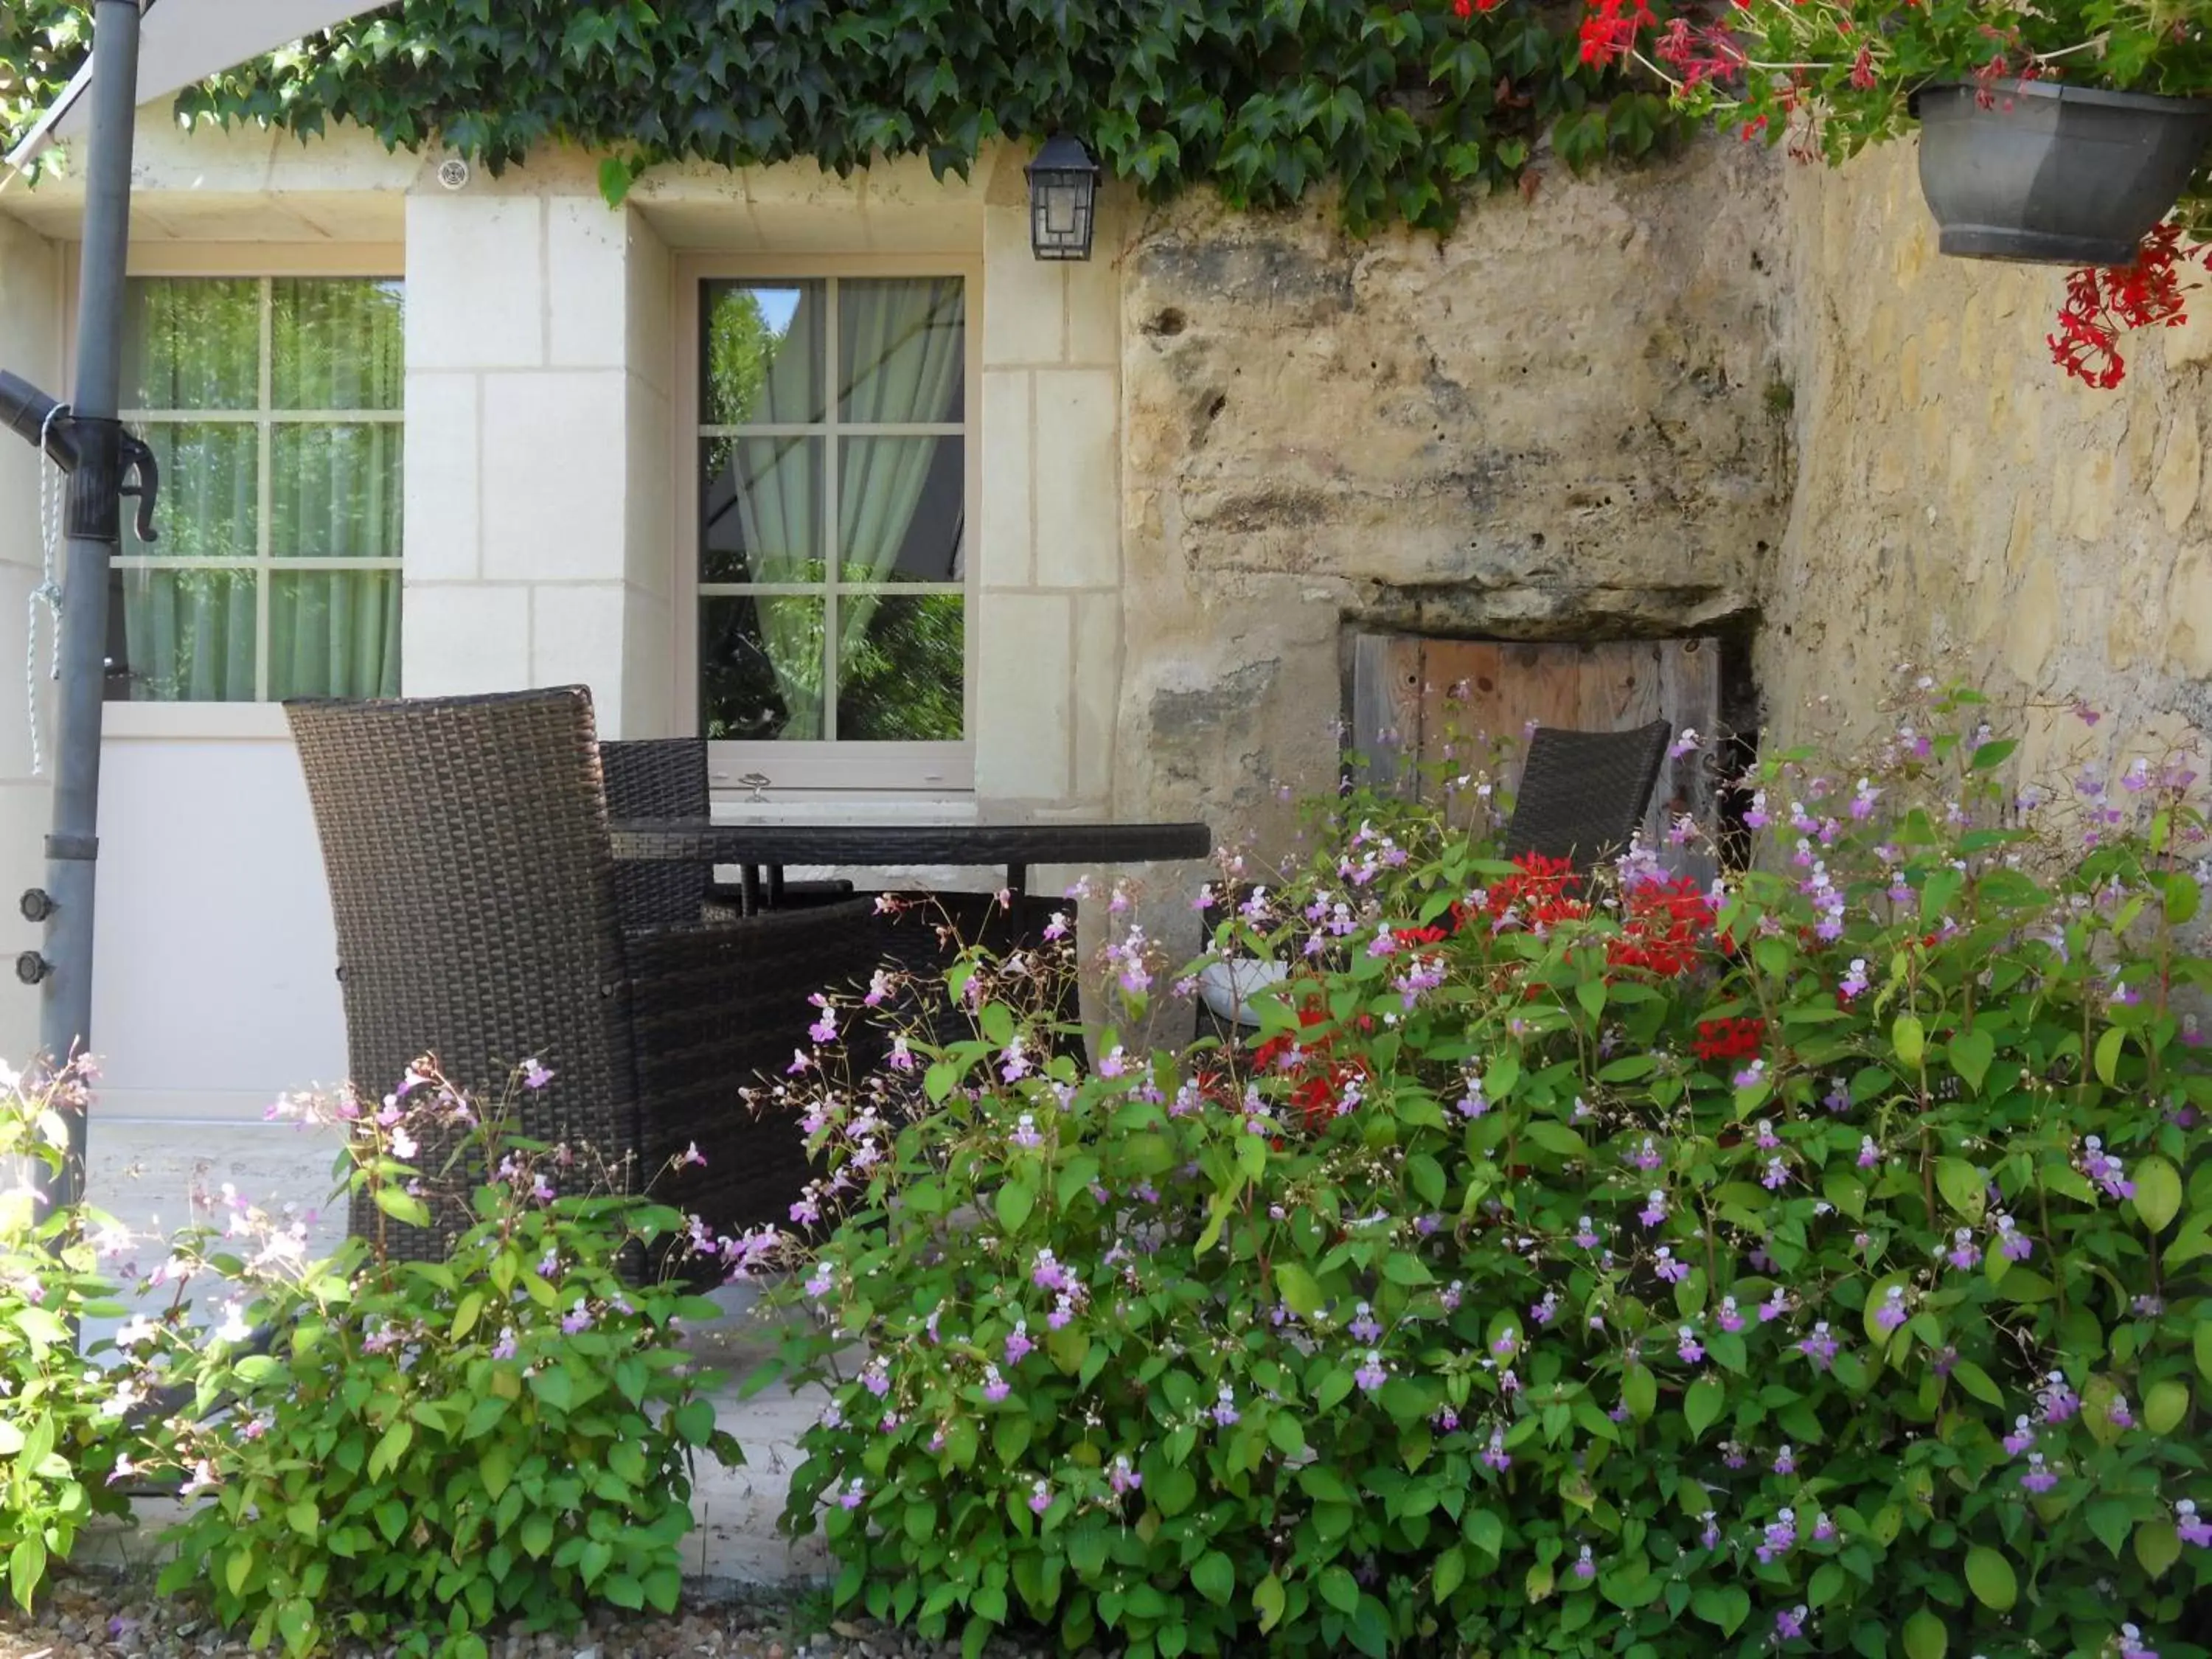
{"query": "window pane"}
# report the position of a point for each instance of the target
(334, 491)
(208, 506)
(899, 508)
(760, 510)
(762, 349)
(334, 634)
(187, 636)
(760, 667)
(899, 671)
(903, 342)
(190, 342)
(335, 344)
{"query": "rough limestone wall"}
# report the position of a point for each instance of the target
(1564, 422)
(1961, 505)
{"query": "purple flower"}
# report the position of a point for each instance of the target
(1668, 1268)
(578, 1318)
(1709, 1538)
(1819, 1348)
(1047, 1274)
(1755, 816)
(2021, 1437)
(1545, 1311)
(1785, 1462)
(821, 1281)
(535, 1076)
(1588, 1238)
(900, 1058)
(1824, 1530)
(1780, 1537)
(1728, 1318)
(1584, 1567)
(1026, 1133)
(1224, 1407)
(1645, 1157)
(1040, 1497)
(1018, 1345)
(1870, 1155)
(1891, 1313)
(2131, 1644)
(1372, 1373)
(1789, 1624)
(876, 1378)
(1687, 1345)
(2119, 1415)
(2058, 1402)
(1751, 1075)
(1364, 1328)
(1777, 1175)
(851, 1497)
(1839, 1097)
(1963, 1255)
(1774, 1307)
(1653, 1212)
(2190, 1529)
(1732, 1455)
(2038, 1478)
(1496, 1454)
(1450, 1295)
(1124, 1479)
(995, 1387)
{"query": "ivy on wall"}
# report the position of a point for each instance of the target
(1402, 105)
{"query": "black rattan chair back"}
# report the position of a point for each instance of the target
(657, 778)
(1582, 794)
(465, 841)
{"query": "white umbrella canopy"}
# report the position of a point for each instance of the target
(182, 42)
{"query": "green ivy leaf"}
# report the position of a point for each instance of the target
(1971, 1052)
(1214, 1578)
(1339, 1589)
(1015, 1199)
(1268, 1601)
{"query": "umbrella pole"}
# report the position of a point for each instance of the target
(95, 529)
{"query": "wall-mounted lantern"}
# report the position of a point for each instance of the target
(1063, 195)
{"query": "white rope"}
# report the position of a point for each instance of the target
(48, 592)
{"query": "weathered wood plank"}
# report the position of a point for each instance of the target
(1386, 709)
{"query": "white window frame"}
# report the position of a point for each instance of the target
(880, 768)
(242, 261)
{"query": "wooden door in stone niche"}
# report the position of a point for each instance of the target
(1411, 696)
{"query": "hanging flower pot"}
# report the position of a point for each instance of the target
(2042, 173)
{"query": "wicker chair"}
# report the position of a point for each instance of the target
(1583, 793)
(464, 840)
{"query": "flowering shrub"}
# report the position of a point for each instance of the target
(1812, 1263)
(436, 1445)
(58, 1414)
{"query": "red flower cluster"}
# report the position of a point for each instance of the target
(1610, 28)
(1321, 1084)
(1699, 52)
(2101, 305)
(1729, 1039)
(1667, 929)
(1543, 893)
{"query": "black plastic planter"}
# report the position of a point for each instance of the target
(2052, 174)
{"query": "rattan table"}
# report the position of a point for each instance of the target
(770, 847)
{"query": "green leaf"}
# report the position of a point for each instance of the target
(403, 1207)
(1727, 1606)
(1339, 1589)
(2158, 1192)
(26, 1569)
(694, 1422)
(1977, 1381)
(1701, 1405)
(1450, 1570)
(1925, 1638)
(1910, 1039)
(465, 1315)
(1298, 1290)
(1986, 756)
(304, 1518)
(1639, 1392)
(2158, 1546)
(1590, 993)
(2201, 1341)
(1990, 1577)
(1214, 1578)
(237, 1568)
(1267, 1600)
(2108, 1053)
(1016, 1198)
(1963, 1187)
(2165, 1402)
(495, 1467)
(1971, 1054)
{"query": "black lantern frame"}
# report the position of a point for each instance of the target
(1063, 199)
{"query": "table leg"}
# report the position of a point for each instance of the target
(751, 877)
(1017, 882)
(775, 887)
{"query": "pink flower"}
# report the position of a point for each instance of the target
(2038, 1478)
(1891, 1314)
(1687, 1345)
(1372, 1374)
(995, 1387)
(535, 1076)
(1040, 1497)
(1496, 1454)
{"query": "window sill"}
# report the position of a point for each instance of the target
(247, 722)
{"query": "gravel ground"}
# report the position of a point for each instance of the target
(102, 1614)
